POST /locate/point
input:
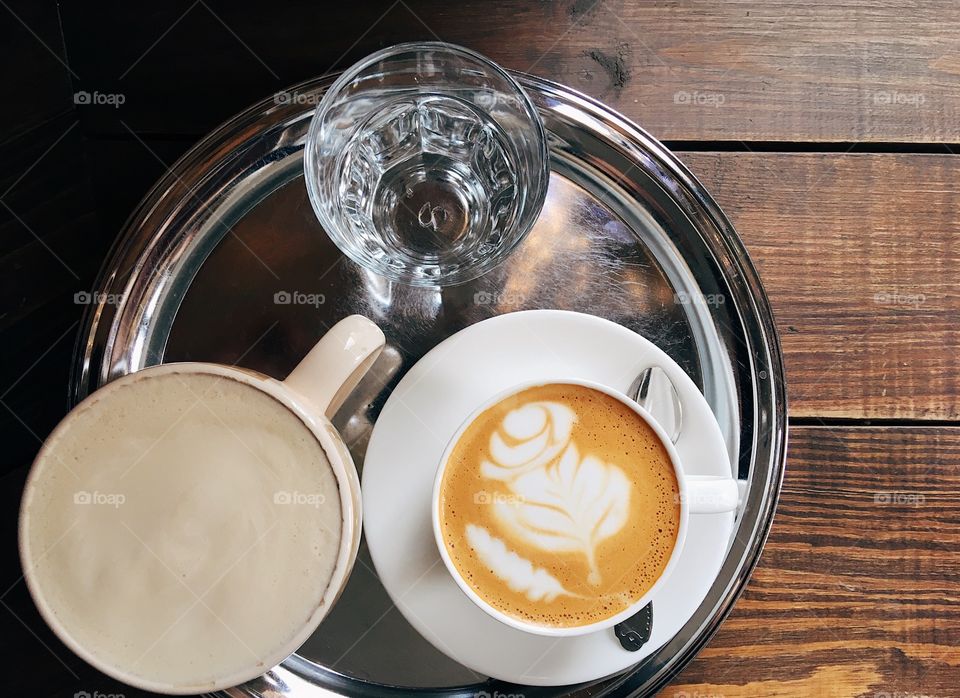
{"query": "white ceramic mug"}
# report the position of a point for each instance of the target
(698, 495)
(312, 392)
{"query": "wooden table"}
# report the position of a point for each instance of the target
(826, 132)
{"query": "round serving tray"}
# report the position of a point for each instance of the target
(224, 261)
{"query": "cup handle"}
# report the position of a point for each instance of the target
(710, 494)
(332, 369)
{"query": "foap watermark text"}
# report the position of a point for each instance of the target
(304, 98)
(699, 99)
(97, 298)
(299, 298)
(95, 98)
(95, 498)
(485, 497)
(709, 299)
(501, 298)
(899, 99)
(910, 499)
(310, 499)
(897, 298)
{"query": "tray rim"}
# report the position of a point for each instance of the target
(200, 165)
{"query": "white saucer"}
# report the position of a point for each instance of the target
(423, 413)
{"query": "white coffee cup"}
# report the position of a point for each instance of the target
(698, 495)
(312, 392)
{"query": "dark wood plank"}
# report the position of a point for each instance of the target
(34, 72)
(860, 255)
(49, 240)
(806, 219)
(50, 250)
(50, 244)
(696, 69)
(123, 171)
(856, 593)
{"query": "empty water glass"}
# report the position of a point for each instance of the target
(426, 163)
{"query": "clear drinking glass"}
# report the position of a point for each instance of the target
(426, 163)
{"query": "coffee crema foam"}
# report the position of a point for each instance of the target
(184, 528)
(559, 506)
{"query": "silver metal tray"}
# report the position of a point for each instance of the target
(224, 261)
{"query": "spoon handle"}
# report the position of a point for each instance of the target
(634, 632)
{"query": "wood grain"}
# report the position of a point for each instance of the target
(700, 69)
(50, 245)
(860, 255)
(856, 593)
(858, 589)
(49, 240)
(50, 249)
(34, 75)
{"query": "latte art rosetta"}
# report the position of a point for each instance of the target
(565, 501)
(559, 505)
(529, 438)
(569, 506)
(519, 573)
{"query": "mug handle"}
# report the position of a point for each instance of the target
(711, 494)
(332, 369)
